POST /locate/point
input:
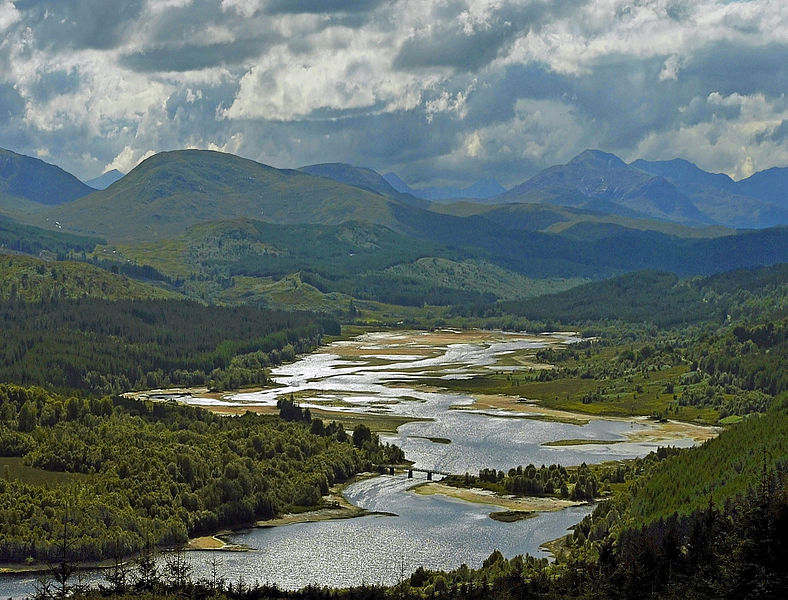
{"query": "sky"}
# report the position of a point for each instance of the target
(442, 92)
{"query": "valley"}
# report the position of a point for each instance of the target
(214, 347)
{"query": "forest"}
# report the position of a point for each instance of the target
(152, 474)
(676, 523)
(706, 550)
(96, 346)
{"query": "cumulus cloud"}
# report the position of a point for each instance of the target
(439, 90)
(127, 159)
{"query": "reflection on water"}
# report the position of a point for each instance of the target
(431, 531)
(380, 373)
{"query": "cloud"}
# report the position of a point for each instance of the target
(8, 15)
(439, 90)
(193, 56)
(320, 6)
(127, 159)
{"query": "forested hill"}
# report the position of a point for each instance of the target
(23, 278)
(99, 346)
(35, 241)
(123, 475)
(664, 299)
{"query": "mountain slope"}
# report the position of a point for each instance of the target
(599, 181)
(25, 180)
(102, 182)
(361, 177)
(657, 297)
(173, 190)
(731, 203)
(484, 189)
(770, 186)
(350, 175)
(15, 237)
(569, 221)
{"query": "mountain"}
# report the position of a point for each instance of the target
(481, 190)
(102, 182)
(29, 183)
(685, 173)
(397, 183)
(597, 180)
(770, 185)
(350, 175)
(753, 203)
(573, 222)
(361, 177)
(172, 190)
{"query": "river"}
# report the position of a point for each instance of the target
(383, 374)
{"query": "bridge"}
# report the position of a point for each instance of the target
(412, 470)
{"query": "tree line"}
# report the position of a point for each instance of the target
(102, 347)
(157, 473)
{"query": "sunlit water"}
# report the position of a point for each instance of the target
(433, 531)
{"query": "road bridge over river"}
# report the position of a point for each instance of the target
(411, 470)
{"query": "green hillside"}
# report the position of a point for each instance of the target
(32, 280)
(570, 221)
(662, 298)
(33, 240)
(100, 346)
(322, 266)
(173, 190)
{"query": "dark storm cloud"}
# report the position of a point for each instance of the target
(450, 44)
(736, 68)
(97, 24)
(778, 135)
(192, 56)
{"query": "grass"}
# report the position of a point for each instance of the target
(578, 442)
(635, 394)
(511, 516)
(376, 422)
(434, 440)
(14, 470)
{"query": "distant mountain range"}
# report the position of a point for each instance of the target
(102, 182)
(485, 189)
(675, 191)
(339, 229)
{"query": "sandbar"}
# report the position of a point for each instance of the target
(480, 496)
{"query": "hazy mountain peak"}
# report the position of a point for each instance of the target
(598, 159)
(396, 182)
(683, 172)
(351, 175)
(105, 180)
(484, 189)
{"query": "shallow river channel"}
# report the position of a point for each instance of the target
(384, 373)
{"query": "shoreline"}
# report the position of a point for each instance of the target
(656, 432)
(334, 506)
(479, 496)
